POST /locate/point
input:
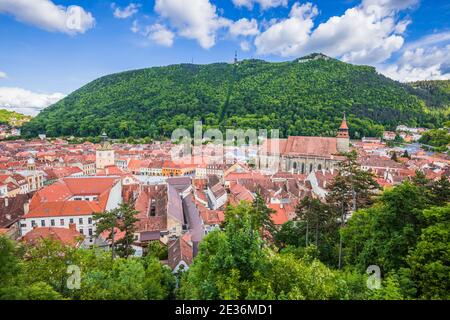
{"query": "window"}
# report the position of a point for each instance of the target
(80, 220)
(42, 223)
(33, 223)
(81, 231)
(153, 208)
(52, 222)
(320, 167)
(71, 220)
(61, 222)
(90, 232)
(23, 225)
(310, 167)
(89, 220)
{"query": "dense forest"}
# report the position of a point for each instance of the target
(307, 96)
(435, 93)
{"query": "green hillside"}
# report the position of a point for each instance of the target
(306, 96)
(12, 118)
(435, 93)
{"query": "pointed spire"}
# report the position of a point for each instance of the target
(343, 129)
(344, 125)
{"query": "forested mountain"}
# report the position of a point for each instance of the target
(435, 93)
(12, 118)
(307, 96)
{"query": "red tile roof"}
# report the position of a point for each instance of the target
(301, 145)
(68, 236)
(280, 216)
(54, 200)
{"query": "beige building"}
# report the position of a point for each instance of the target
(304, 154)
(104, 156)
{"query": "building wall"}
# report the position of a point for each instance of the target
(87, 223)
(305, 165)
(115, 196)
(174, 227)
(343, 145)
(104, 158)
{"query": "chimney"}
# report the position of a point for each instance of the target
(73, 226)
(6, 202)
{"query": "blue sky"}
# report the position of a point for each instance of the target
(49, 48)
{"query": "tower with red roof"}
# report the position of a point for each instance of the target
(343, 137)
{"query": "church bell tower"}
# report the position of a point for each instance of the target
(104, 156)
(343, 137)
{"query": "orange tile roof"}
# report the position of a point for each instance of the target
(68, 236)
(280, 216)
(54, 199)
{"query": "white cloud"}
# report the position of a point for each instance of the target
(244, 27)
(425, 59)
(26, 102)
(126, 12)
(287, 37)
(160, 34)
(198, 20)
(264, 4)
(386, 7)
(135, 27)
(430, 40)
(368, 33)
(48, 16)
(245, 46)
(3, 75)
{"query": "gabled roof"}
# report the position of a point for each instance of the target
(54, 199)
(301, 146)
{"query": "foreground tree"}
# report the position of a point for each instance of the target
(429, 261)
(231, 264)
(352, 189)
(123, 219)
(384, 233)
(440, 191)
(262, 218)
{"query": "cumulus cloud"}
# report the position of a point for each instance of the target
(126, 12)
(198, 20)
(425, 59)
(160, 34)
(287, 37)
(25, 101)
(368, 33)
(3, 75)
(46, 15)
(264, 4)
(244, 27)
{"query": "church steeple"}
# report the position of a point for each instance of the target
(343, 129)
(343, 137)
